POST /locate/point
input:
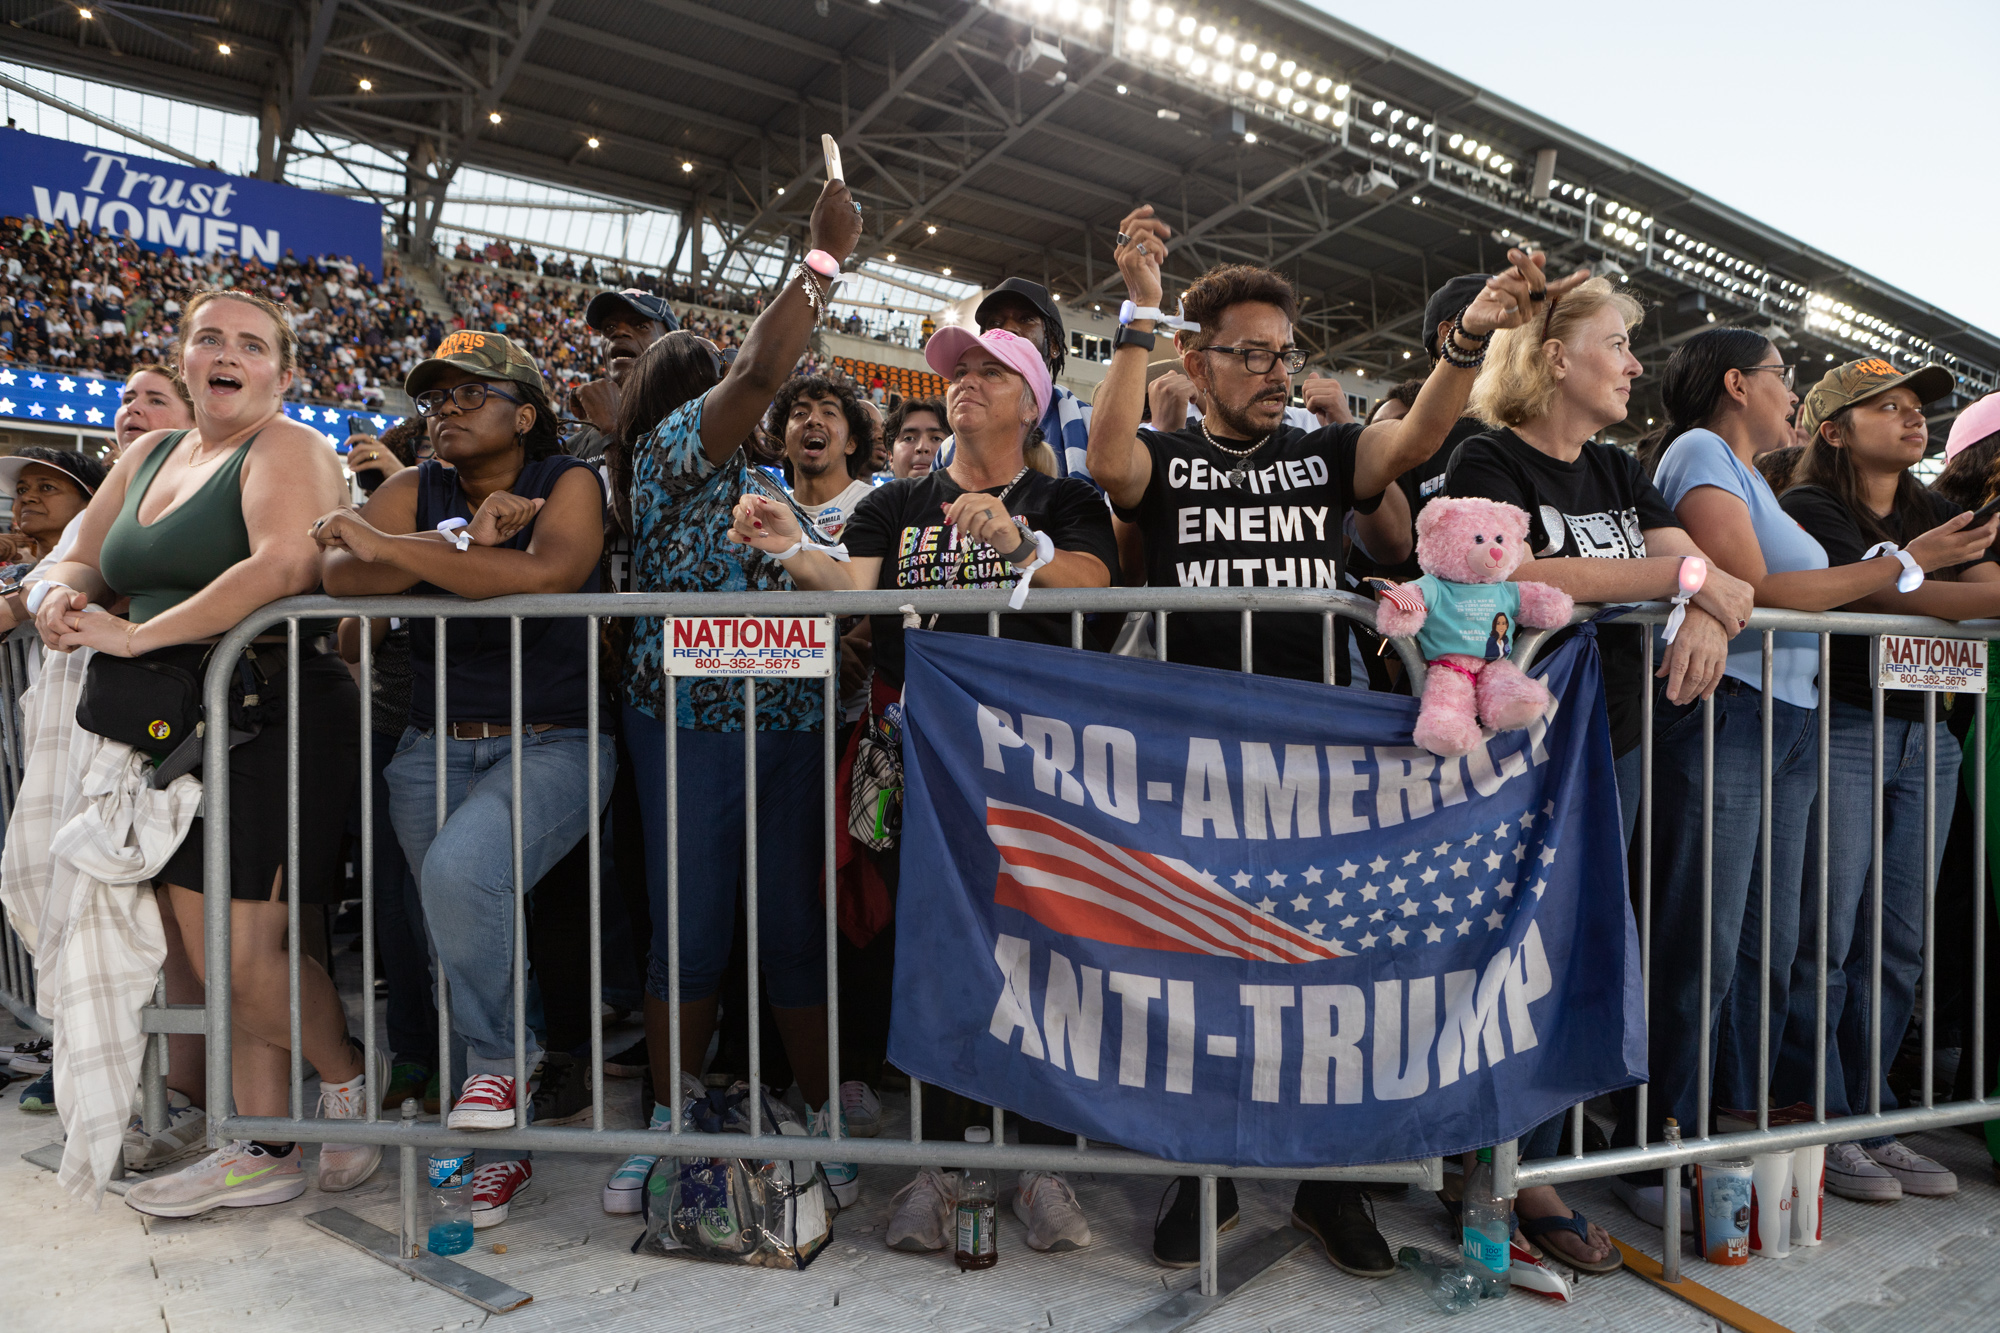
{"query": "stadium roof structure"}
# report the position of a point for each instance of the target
(1004, 137)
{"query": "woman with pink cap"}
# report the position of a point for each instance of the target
(985, 520)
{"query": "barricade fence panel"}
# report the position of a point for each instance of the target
(20, 652)
(289, 620)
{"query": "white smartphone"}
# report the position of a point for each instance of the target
(832, 151)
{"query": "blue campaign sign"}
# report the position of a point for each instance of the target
(1223, 918)
(170, 205)
(89, 402)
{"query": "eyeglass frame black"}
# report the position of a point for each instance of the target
(1286, 356)
(1789, 368)
(451, 395)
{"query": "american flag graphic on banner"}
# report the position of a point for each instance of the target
(1228, 919)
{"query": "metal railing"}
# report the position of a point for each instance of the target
(1512, 1174)
(18, 651)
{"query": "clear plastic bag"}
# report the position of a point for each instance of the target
(765, 1212)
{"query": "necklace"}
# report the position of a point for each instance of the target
(1242, 456)
(962, 549)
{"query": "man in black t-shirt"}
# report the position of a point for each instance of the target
(1241, 500)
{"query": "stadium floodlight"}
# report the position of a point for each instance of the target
(592, 141)
(1244, 78)
(946, 271)
(1199, 67)
(1339, 119)
(1249, 136)
(493, 117)
(1249, 52)
(1225, 45)
(890, 257)
(687, 168)
(1163, 17)
(1264, 87)
(84, 14)
(1455, 140)
(1139, 9)
(1207, 35)
(1122, 90)
(222, 48)
(1160, 46)
(1183, 55)
(1223, 72)
(1379, 107)
(367, 85)
(1340, 92)
(1323, 86)
(1322, 111)
(1093, 19)
(1285, 70)
(1268, 59)
(930, 229)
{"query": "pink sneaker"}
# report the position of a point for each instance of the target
(494, 1187)
(485, 1102)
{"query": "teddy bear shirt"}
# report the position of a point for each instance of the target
(1475, 619)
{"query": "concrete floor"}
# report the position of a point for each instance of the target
(1915, 1264)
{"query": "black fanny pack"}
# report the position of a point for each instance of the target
(153, 703)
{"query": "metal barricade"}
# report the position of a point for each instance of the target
(409, 1137)
(19, 651)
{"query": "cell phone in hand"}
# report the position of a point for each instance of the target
(1984, 512)
(832, 151)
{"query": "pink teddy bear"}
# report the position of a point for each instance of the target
(1463, 612)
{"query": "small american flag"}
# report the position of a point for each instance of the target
(1407, 596)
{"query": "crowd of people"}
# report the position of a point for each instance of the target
(719, 464)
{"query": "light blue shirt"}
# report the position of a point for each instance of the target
(1703, 458)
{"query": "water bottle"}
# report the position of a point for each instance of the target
(1487, 1227)
(451, 1203)
(1452, 1287)
(977, 1209)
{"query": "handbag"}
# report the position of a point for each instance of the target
(153, 703)
(875, 796)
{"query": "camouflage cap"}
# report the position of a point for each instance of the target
(1845, 385)
(492, 356)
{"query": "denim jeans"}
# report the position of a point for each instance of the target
(400, 942)
(1736, 891)
(791, 923)
(1850, 861)
(465, 871)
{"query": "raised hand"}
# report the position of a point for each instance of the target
(1326, 399)
(1523, 292)
(1141, 253)
(836, 221)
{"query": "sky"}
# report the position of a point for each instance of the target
(1866, 131)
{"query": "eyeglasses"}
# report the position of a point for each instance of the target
(469, 398)
(1259, 360)
(1788, 373)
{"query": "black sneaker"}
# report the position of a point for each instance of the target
(630, 1062)
(1339, 1217)
(1177, 1233)
(562, 1095)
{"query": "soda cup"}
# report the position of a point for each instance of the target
(1808, 1194)
(1722, 1211)
(1771, 1204)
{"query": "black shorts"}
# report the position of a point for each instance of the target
(329, 771)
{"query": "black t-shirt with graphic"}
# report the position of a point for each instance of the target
(902, 522)
(1598, 506)
(1277, 526)
(1834, 526)
(1421, 485)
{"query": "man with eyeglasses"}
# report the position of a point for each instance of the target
(1241, 499)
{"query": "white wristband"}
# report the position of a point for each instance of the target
(36, 595)
(1912, 577)
(454, 530)
(1045, 551)
(837, 551)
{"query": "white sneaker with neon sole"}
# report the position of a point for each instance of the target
(236, 1175)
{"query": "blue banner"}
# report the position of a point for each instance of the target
(89, 403)
(1225, 918)
(173, 206)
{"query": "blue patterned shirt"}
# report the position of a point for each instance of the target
(680, 516)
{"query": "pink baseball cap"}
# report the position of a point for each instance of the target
(1972, 425)
(950, 343)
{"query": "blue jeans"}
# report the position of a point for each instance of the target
(1736, 891)
(1850, 861)
(791, 926)
(465, 871)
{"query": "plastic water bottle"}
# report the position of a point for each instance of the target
(451, 1203)
(977, 1209)
(1487, 1227)
(1452, 1287)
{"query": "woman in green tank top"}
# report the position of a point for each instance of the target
(200, 528)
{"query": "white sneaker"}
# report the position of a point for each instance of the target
(1916, 1173)
(860, 1110)
(1648, 1203)
(625, 1191)
(842, 1178)
(236, 1175)
(1853, 1174)
(342, 1166)
(922, 1221)
(1047, 1206)
(185, 1134)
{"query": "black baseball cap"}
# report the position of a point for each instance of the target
(1447, 302)
(1033, 293)
(643, 304)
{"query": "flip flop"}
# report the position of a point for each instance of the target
(1577, 1224)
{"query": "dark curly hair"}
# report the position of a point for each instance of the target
(72, 463)
(1229, 285)
(860, 425)
(401, 439)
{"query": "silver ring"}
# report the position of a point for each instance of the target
(856, 203)
(1142, 247)
(1122, 238)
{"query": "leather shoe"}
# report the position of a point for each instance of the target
(1338, 1216)
(1177, 1233)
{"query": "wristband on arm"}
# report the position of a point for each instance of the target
(1694, 573)
(1044, 548)
(1912, 577)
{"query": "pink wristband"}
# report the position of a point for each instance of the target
(822, 263)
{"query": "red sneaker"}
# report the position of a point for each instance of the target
(486, 1102)
(494, 1187)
